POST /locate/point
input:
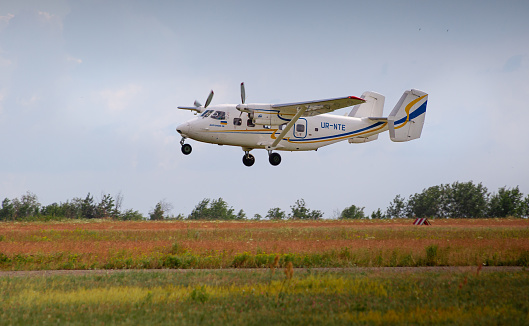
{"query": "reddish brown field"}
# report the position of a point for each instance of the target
(364, 242)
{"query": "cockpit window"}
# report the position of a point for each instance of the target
(206, 113)
(219, 115)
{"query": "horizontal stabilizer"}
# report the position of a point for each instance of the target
(378, 118)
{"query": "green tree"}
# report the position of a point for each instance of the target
(130, 215)
(53, 210)
(8, 210)
(107, 207)
(429, 203)
(506, 202)
(241, 215)
(353, 212)
(160, 211)
(219, 210)
(524, 210)
(200, 212)
(275, 214)
(208, 209)
(27, 206)
(377, 215)
(466, 200)
(397, 208)
(301, 212)
(88, 208)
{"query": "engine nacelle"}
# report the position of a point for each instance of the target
(268, 119)
(263, 114)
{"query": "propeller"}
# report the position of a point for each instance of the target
(210, 97)
(243, 93)
(243, 98)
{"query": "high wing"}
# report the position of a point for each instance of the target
(192, 108)
(318, 107)
(309, 109)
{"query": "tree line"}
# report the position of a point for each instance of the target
(456, 200)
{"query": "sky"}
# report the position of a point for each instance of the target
(89, 93)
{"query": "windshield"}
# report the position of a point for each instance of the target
(207, 113)
(219, 115)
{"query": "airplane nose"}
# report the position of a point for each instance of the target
(183, 129)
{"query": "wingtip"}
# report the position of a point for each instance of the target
(356, 98)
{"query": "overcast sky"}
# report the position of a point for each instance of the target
(89, 90)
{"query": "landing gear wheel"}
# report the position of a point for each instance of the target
(248, 159)
(274, 159)
(186, 149)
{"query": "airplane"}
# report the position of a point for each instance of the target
(302, 126)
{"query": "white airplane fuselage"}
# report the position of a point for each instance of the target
(226, 125)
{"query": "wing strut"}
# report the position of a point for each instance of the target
(289, 126)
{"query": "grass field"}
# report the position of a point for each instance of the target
(257, 297)
(183, 244)
(278, 295)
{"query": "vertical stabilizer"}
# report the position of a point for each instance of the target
(407, 118)
(373, 106)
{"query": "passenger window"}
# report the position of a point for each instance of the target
(250, 123)
(300, 128)
(237, 121)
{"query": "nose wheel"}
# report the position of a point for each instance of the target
(186, 148)
(248, 159)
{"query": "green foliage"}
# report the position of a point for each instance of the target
(8, 210)
(157, 213)
(431, 255)
(208, 209)
(275, 214)
(507, 202)
(130, 215)
(397, 208)
(27, 206)
(251, 298)
(429, 203)
(460, 200)
(466, 200)
(241, 215)
(377, 215)
(353, 212)
(160, 211)
(107, 207)
(199, 294)
(88, 209)
(301, 212)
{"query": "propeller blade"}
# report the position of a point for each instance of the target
(243, 93)
(197, 104)
(210, 97)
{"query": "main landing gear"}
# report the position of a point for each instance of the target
(248, 159)
(186, 148)
(274, 158)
